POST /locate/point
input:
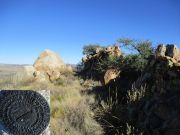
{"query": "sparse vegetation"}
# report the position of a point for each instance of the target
(125, 106)
(98, 63)
(135, 95)
(81, 114)
(70, 113)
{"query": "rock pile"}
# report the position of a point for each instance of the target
(163, 70)
(154, 106)
(103, 53)
(91, 61)
(160, 114)
(168, 52)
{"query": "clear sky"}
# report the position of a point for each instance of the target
(27, 27)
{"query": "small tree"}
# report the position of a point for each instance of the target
(141, 52)
(110, 63)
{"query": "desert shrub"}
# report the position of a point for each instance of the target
(109, 63)
(135, 95)
(117, 117)
(131, 130)
(107, 114)
(134, 62)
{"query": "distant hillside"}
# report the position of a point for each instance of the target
(6, 69)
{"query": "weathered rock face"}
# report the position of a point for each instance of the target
(110, 75)
(164, 67)
(169, 51)
(48, 60)
(103, 52)
(160, 114)
(48, 66)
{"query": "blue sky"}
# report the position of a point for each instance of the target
(27, 27)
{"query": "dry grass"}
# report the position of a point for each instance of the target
(114, 115)
(135, 95)
(70, 113)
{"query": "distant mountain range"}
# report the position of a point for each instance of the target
(3, 64)
(6, 69)
(11, 68)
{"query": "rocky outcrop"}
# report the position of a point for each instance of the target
(160, 112)
(49, 67)
(169, 51)
(163, 68)
(92, 60)
(48, 60)
(103, 53)
(152, 104)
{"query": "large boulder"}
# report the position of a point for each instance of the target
(48, 60)
(48, 66)
(168, 51)
(110, 75)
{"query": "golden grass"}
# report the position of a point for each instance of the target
(70, 113)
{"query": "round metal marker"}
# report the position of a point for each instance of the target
(24, 112)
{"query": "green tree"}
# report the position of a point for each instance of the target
(137, 60)
(141, 52)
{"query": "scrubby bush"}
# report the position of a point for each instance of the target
(109, 63)
(117, 117)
